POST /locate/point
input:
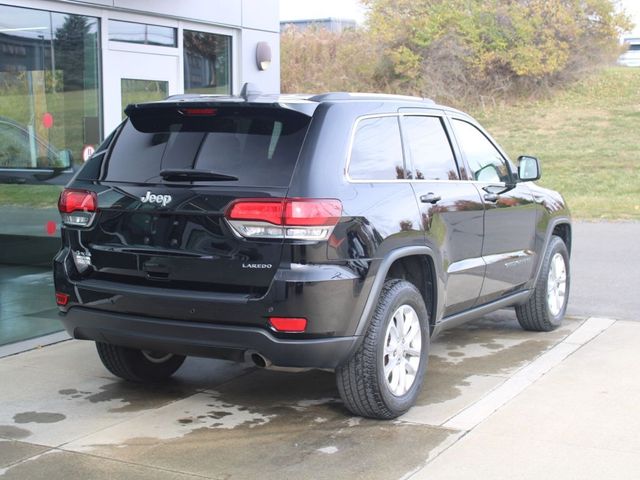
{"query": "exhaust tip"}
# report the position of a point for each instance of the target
(259, 361)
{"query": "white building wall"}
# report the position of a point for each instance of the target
(253, 21)
(267, 81)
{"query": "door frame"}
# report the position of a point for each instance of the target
(123, 60)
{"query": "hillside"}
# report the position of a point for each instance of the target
(587, 138)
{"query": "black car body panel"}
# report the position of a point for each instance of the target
(177, 277)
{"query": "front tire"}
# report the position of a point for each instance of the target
(547, 305)
(383, 378)
(137, 365)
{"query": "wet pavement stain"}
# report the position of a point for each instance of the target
(491, 346)
(38, 417)
(135, 397)
(291, 436)
(16, 433)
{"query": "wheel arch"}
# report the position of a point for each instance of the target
(416, 265)
(561, 227)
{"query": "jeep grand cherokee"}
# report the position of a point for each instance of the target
(338, 231)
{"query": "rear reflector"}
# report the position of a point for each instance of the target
(287, 324)
(77, 207)
(62, 299)
(295, 218)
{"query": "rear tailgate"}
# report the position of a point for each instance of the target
(156, 230)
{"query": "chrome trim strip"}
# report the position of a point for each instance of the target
(466, 264)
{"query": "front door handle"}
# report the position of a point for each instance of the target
(430, 198)
(491, 197)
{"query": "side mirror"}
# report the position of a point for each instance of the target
(528, 168)
(65, 159)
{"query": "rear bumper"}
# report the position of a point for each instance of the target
(205, 339)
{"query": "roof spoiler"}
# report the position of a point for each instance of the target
(250, 91)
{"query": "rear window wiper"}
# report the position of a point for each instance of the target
(189, 174)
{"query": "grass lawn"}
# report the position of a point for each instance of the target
(587, 139)
(36, 196)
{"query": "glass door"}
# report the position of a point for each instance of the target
(136, 77)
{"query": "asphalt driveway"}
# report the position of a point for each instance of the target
(605, 273)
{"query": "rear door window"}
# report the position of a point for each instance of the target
(376, 153)
(431, 154)
(259, 146)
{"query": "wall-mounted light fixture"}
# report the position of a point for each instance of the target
(263, 55)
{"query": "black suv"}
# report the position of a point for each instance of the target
(338, 231)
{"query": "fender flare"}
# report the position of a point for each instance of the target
(553, 223)
(381, 275)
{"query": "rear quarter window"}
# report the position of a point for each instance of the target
(259, 146)
(376, 152)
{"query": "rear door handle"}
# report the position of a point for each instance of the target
(430, 198)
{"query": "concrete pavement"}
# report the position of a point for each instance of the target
(498, 402)
(579, 421)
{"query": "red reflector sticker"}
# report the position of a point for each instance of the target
(62, 299)
(287, 324)
(51, 227)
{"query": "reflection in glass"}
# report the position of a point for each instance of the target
(485, 161)
(140, 91)
(207, 63)
(130, 32)
(48, 83)
(431, 153)
(49, 109)
(377, 150)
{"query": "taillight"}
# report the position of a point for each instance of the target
(293, 218)
(77, 207)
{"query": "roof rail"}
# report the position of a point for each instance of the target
(334, 96)
(183, 96)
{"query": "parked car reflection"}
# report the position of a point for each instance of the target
(32, 173)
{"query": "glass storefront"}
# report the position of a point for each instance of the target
(207, 63)
(49, 111)
(141, 33)
(51, 115)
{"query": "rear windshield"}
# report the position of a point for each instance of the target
(259, 146)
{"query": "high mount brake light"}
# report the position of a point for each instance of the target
(77, 207)
(198, 112)
(293, 218)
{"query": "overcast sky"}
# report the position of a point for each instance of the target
(352, 9)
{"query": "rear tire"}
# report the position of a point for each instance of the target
(138, 366)
(547, 305)
(384, 376)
